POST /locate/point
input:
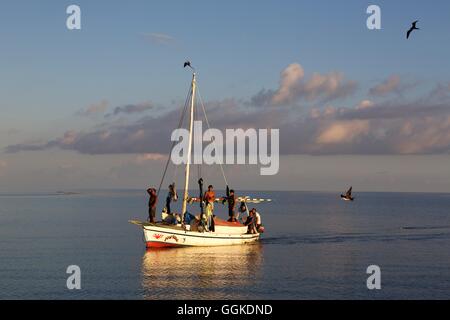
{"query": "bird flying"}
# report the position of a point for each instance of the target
(348, 195)
(187, 64)
(413, 27)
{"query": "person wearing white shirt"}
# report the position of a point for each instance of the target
(254, 221)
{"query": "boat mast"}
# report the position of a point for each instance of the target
(191, 124)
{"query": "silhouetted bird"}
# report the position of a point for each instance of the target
(187, 64)
(413, 27)
(348, 195)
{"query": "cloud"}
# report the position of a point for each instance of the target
(392, 84)
(387, 86)
(427, 136)
(131, 108)
(142, 136)
(94, 108)
(293, 87)
(343, 132)
(159, 38)
(367, 128)
(409, 128)
(400, 126)
(441, 92)
(143, 158)
(290, 78)
(149, 134)
(329, 131)
(364, 104)
(392, 110)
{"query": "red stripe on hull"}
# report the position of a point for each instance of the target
(151, 244)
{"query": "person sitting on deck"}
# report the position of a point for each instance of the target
(254, 222)
(242, 209)
(250, 222)
(209, 198)
(152, 201)
(258, 223)
(173, 218)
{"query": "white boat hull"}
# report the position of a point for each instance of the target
(157, 236)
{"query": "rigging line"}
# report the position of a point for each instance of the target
(209, 127)
(174, 142)
(197, 117)
(175, 174)
(175, 171)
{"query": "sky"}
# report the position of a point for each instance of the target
(94, 108)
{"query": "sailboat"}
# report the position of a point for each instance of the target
(183, 234)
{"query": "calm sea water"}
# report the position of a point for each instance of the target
(315, 247)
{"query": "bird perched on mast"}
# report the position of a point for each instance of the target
(413, 27)
(188, 64)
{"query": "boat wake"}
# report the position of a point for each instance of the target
(355, 237)
(426, 228)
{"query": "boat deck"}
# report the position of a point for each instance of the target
(217, 222)
(157, 224)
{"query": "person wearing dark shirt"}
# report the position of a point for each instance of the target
(231, 199)
(250, 222)
(152, 201)
(171, 196)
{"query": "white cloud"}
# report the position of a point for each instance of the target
(343, 132)
(290, 78)
(294, 87)
(364, 104)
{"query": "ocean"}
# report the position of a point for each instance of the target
(315, 247)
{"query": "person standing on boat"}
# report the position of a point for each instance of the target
(171, 196)
(152, 201)
(209, 198)
(231, 199)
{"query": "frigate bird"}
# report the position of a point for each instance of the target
(413, 27)
(348, 195)
(187, 64)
